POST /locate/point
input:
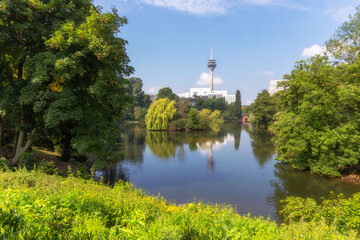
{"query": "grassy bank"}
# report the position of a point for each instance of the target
(34, 205)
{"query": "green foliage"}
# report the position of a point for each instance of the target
(318, 127)
(204, 119)
(237, 106)
(47, 167)
(193, 119)
(38, 206)
(63, 72)
(345, 44)
(139, 113)
(4, 164)
(211, 103)
(159, 114)
(338, 211)
(26, 160)
(166, 92)
(263, 110)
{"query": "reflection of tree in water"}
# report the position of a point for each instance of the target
(112, 175)
(133, 145)
(292, 182)
(262, 146)
(160, 144)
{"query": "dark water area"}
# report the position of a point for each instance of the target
(233, 166)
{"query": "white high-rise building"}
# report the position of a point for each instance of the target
(273, 86)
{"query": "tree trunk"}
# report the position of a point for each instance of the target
(66, 145)
(20, 146)
(16, 135)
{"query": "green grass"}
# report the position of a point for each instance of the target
(34, 205)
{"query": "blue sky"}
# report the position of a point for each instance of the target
(253, 40)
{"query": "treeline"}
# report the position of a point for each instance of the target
(168, 112)
(316, 119)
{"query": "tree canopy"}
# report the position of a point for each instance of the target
(159, 114)
(263, 110)
(62, 73)
(166, 92)
(318, 126)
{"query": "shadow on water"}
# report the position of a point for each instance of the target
(292, 182)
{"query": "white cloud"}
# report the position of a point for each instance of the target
(205, 80)
(197, 7)
(209, 7)
(341, 14)
(313, 50)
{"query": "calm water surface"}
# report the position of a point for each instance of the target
(234, 166)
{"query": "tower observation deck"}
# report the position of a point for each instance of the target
(211, 65)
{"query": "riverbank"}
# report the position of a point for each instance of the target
(35, 205)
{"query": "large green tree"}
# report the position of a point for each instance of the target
(62, 72)
(159, 114)
(237, 106)
(318, 126)
(166, 92)
(263, 110)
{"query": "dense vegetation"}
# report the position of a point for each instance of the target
(38, 206)
(62, 77)
(204, 113)
(317, 120)
(261, 112)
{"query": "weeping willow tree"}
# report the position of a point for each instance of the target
(159, 114)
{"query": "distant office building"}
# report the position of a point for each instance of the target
(208, 92)
(273, 86)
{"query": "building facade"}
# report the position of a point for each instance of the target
(273, 86)
(207, 93)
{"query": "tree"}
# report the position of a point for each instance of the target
(159, 114)
(238, 110)
(68, 68)
(318, 126)
(263, 109)
(166, 92)
(193, 119)
(345, 44)
(204, 119)
(139, 113)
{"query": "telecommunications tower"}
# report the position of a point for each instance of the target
(211, 65)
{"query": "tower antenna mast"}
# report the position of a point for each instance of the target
(211, 65)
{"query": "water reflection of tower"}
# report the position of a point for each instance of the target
(211, 161)
(211, 65)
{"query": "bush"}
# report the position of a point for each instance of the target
(26, 160)
(338, 211)
(4, 164)
(180, 124)
(47, 167)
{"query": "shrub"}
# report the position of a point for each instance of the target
(4, 164)
(47, 167)
(26, 160)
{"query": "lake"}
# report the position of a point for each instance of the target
(233, 166)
